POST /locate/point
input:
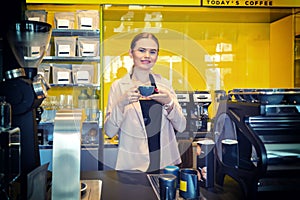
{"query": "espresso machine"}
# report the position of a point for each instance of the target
(256, 132)
(24, 89)
(195, 105)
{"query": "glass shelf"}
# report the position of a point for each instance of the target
(71, 59)
(74, 85)
(75, 32)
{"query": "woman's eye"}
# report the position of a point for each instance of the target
(150, 51)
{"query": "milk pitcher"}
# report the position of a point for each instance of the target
(188, 188)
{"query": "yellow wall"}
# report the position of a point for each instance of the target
(281, 59)
(195, 40)
(245, 39)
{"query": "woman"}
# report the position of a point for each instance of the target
(145, 126)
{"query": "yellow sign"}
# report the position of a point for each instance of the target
(251, 3)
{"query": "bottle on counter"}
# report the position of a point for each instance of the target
(94, 106)
(5, 114)
(83, 103)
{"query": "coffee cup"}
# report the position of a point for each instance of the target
(172, 169)
(188, 188)
(167, 187)
(146, 90)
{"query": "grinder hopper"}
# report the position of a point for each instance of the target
(29, 41)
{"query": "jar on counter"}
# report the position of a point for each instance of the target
(94, 106)
(83, 103)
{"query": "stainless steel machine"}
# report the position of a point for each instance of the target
(257, 138)
(195, 108)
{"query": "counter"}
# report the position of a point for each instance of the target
(131, 185)
(122, 185)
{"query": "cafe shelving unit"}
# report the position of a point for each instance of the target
(91, 154)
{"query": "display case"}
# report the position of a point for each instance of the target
(72, 66)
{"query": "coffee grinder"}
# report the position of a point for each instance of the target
(184, 101)
(194, 106)
(24, 89)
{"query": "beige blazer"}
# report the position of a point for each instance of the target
(133, 153)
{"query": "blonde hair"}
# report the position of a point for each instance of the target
(142, 36)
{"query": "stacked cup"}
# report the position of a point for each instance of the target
(169, 183)
(173, 170)
(167, 186)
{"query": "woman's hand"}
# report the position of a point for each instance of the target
(130, 96)
(163, 96)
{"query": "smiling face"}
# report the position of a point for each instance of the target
(144, 53)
